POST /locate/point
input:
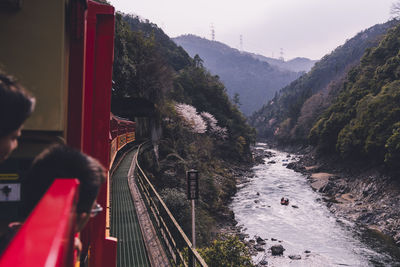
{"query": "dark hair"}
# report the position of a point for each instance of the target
(60, 161)
(16, 104)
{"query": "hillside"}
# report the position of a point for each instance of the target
(188, 116)
(364, 120)
(290, 115)
(255, 81)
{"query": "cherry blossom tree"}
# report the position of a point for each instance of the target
(212, 126)
(191, 118)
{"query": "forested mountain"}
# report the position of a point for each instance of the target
(290, 115)
(364, 120)
(298, 64)
(255, 81)
(193, 123)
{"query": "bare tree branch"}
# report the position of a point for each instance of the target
(395, 10)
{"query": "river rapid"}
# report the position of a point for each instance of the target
(305, 227)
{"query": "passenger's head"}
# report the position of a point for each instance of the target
(63, 162)
(16, 104)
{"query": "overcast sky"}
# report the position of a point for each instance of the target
(302, 28)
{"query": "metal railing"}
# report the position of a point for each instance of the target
(168, 229)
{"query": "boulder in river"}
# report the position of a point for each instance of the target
(263, 262)
(259, 248)
(295, 257)
(277, 250)
(259, 239)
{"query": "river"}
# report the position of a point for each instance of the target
(305, 227)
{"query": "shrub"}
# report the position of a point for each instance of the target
(226, 251)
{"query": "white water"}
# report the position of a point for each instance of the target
(309, 227)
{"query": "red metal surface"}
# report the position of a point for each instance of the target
(90, 76)
(96, 126)
(45, 239)
(110, 248)
(122, 128)
(77, 39)
(99, 60)
(122, 132)
(124, 125)
(119, 126)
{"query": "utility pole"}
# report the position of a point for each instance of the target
(192, 178)
(212, 32)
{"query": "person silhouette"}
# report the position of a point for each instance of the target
(16, 105)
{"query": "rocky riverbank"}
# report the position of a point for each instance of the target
(352, 192)
(357, 193)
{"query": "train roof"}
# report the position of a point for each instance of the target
(120, 119)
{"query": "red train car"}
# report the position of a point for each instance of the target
(62, 51)
(130, 134)
(113, 138)
(122, 132)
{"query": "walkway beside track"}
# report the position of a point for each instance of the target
(131, 250)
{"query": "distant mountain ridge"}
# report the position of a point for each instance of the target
(297, 64)
(254, 79)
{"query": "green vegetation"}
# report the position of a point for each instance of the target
(138, 70)
(349, 103)
(188, 115)
(364, 120)
(226, 251)
(290, 115)
(197, 87)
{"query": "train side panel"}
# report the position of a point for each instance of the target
(96, 127)
(122, 132)
(63, 52)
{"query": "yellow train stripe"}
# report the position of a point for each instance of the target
(9, 176)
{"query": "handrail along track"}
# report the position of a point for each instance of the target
(168, 229)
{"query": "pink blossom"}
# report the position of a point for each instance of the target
(193, 121)
(212, 126)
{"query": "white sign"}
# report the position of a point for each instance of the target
(10, 192)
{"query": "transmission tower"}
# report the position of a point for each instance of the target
(281, 57)
(241, 43)
(212, 32)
